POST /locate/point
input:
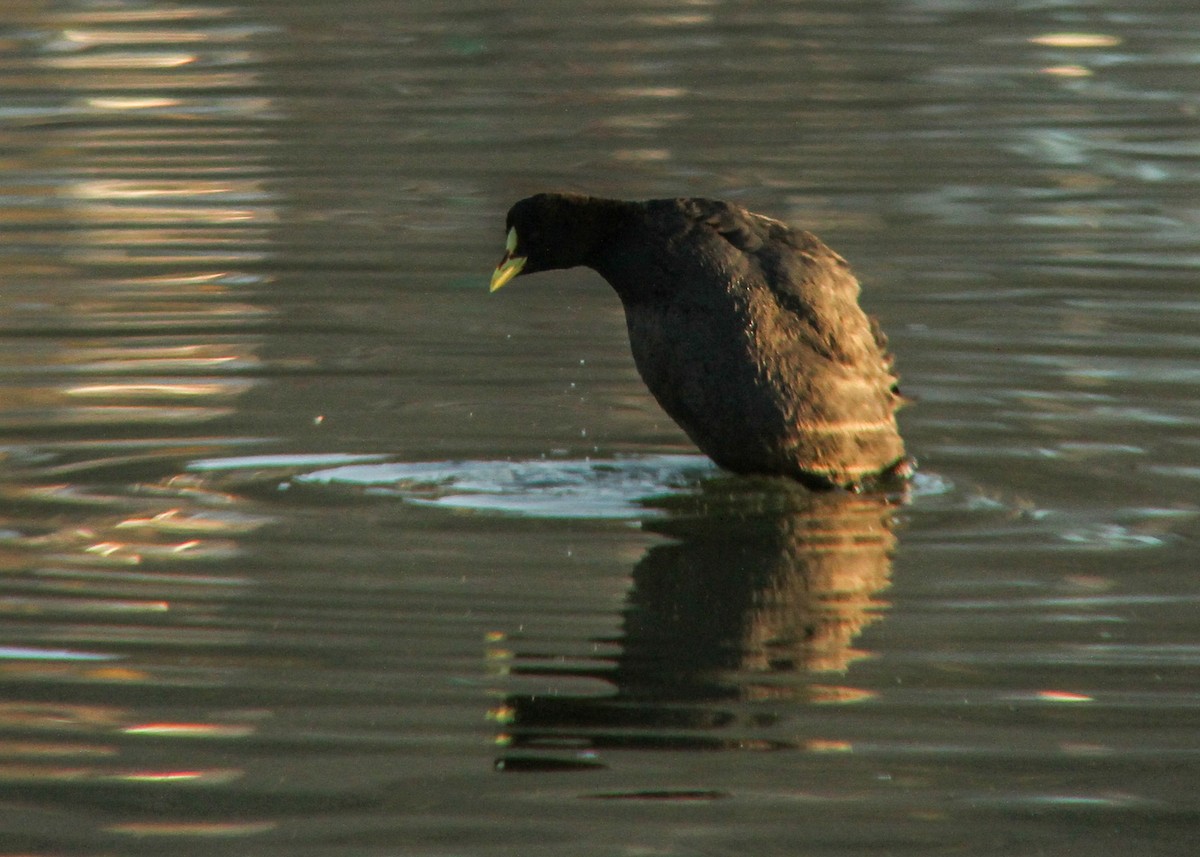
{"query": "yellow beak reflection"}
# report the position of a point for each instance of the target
(510, 265)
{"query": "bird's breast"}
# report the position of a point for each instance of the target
(703, 369)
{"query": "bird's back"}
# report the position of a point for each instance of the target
(750, 336)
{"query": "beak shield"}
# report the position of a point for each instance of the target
(510, 265)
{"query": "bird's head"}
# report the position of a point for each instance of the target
(551, 231)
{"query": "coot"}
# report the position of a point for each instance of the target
(746, 331)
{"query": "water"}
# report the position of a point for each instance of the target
(310, 546)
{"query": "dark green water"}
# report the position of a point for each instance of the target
(310, 546)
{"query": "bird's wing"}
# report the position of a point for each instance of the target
(807, 280)
(747, 232)
(792, 260)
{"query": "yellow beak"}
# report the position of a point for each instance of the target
(508, 268)
(510, 265)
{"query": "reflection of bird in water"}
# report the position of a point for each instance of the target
(796, 586)
(759, 596)
(747, 332)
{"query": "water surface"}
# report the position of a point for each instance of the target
(310, 546)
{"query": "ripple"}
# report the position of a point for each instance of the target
(542, 488)
(256, 462)
(38, 654)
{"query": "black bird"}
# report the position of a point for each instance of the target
(747, 332)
